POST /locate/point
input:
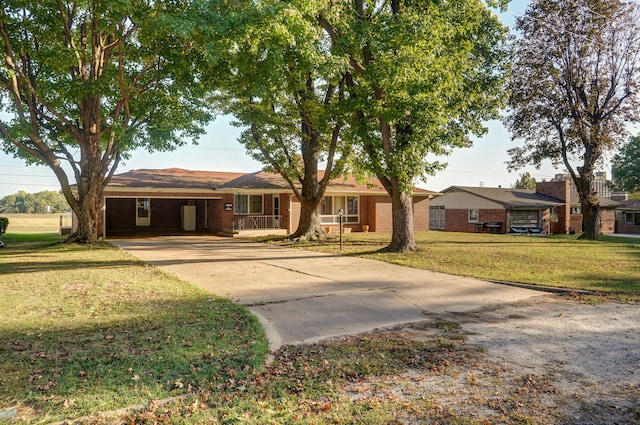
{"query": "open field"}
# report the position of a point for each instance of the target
(38, 223)
(610, 265)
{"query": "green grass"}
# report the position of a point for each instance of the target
(35, 223)
(610, 265)
(89, 329)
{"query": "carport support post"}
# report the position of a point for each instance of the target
(340, 214)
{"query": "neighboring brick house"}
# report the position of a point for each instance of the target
(563, 222)
(628, 217)
(550, 208)
(176, 200)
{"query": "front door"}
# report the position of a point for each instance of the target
(143, 212)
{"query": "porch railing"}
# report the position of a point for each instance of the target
(257, 222)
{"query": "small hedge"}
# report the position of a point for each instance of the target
(4, 223)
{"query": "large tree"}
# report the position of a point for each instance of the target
(286, 88)
(574, 88)
(626, 166)
(85, 82)
(423, 77)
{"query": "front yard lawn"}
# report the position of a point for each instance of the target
(91, 329)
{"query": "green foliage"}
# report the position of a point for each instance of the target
(425, 75)
(34, 203)
(626, 166)
(83, 84)
(526, 181)
(4, 223)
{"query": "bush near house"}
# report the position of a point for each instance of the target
(4, 223)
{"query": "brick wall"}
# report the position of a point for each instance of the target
(421, 214)
(227, 216)
(608, 221)
(382, 214)
(457, 220)
(294, 213)
(575, 221)
(558, 190)
(562, 191)
(494, 215)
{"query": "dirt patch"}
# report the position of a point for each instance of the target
(572, 362)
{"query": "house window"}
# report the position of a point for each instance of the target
(436, 217)
(330, 207)
(628, 218)
(632, 219)
(143, 212)
(248, 204)
(473, 216)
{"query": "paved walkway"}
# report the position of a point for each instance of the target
(303, 296)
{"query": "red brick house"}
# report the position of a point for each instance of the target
(174, 200)
(549, 209)
(628, 217)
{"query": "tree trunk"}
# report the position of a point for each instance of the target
(402, 236)
(89, 201)
(309, 226)
(590, 218)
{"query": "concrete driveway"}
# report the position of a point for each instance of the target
(303, 296)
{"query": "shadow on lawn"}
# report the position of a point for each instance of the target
(162, 349)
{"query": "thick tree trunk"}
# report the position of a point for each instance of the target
(590, 218)
(402, 236)
(88, 205)
(309, 226)
(88, 211)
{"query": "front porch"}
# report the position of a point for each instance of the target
(255, 225)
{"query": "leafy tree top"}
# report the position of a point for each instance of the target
(626, 166)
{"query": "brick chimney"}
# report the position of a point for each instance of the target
(561, 191)
(620, 196)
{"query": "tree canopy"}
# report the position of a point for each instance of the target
(526, 181)
(626, 166)
(286, 89)
(423, 77)
(574, 88)
(34, 203)
(85, 83)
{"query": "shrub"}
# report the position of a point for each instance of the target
(4, 223)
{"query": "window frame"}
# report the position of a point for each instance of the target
(469, 214)
(628, 218)
(334, 217)
(247, 203)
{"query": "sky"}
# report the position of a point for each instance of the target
(219, 150)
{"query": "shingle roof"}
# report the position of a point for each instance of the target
(630, 204)
(172, 178)
(510, 198)
(604, 202)
(177, 178)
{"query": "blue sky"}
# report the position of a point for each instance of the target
(219, 150)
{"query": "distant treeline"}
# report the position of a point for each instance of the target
(22, 202)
